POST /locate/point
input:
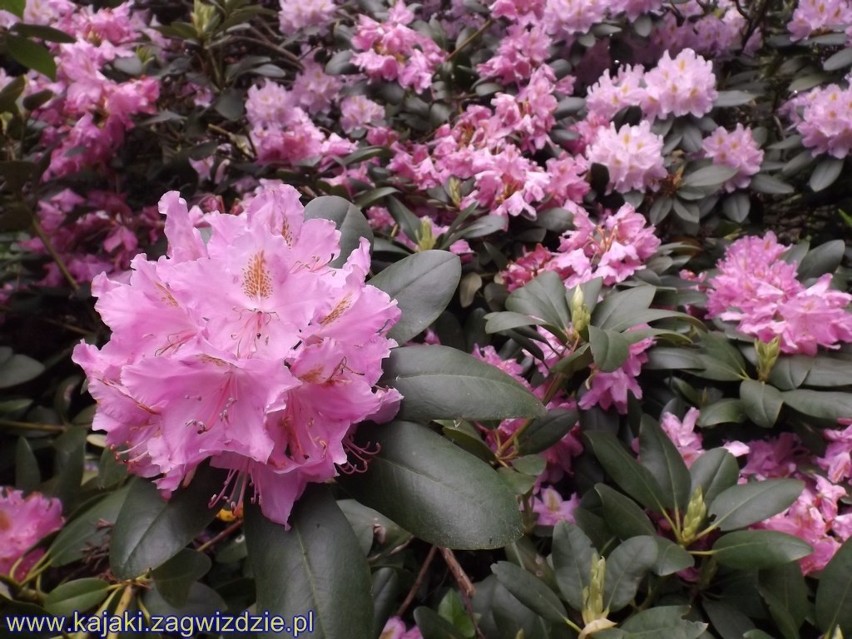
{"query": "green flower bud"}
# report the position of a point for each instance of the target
(767, 355)
(593, 594)
(580, 315)
(696, 512)
(425, 238)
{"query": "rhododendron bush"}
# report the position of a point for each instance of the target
(473, 319)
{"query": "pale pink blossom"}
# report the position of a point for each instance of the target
(295, 16)
(632, 154)
(736, 149)
(551, 508)
(23, 522)
(681, 85)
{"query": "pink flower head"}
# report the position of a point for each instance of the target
(678, 86)
(632, 154)
(611, 94)
(819, 15)
(253, 352)
(395, 629)
(23, 522)
(760, 291)
(736, 149)
(357, 112)
(611, 389)
(826, 120)
(294, 16)
(568, 17)
(551, 508)
(683, 435)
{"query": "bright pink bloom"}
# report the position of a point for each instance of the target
(611, 389)
(825, 121)
(632, 154)
(395, 629)
(254, 353)
(23, 522)
(736, 149)
(819, 15)
(357, 112)
(685, 84)
(522, 50)
(551, 508)
(683, 435)
(611, 94)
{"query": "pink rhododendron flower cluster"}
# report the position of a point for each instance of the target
(736, 149)
(395, 628)
(819, 15)
(632, 154)
(551, 508)
(23, 522)
(611, 389)
(824, 118)
(689, 442)
(294, 16)
(757, 289)
(392, 50)
(253, 353)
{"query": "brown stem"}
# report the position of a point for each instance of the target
(48, 245)
(421, 576)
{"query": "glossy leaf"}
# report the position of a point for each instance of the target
(434, 489)
(422, 284)
(626, 566)
(834, 594)
(31, 54)
(438, 382)
(823, 259)
(822, 405)
(315, 566)
(175, 577)
(150, 530)
(745, 504)
(86, 530)
(434, 626)
(756, 549)
(714, 471)
(618, 310)
(633, 478)
(622, 515)
(572, 562)
(660, 456)
(761, 402)
(346, 217)
(671, 557)
(662, 621)
(825, 173)
(545, 431)
(79, 595)
(609, 348)
(530, 591)
(542, 297)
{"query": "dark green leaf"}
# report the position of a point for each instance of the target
(671, 558)
(422, 284)
(230, 105)
(714, 471)
(825, 173)
(823, 259)
(149, 530)
(790, 371)
(660, 456)
(507, 320)
(733, 98)
(633, 478)
(27, 474)
(545, 431)
(618, 310)
(828, 372)
(609, 348)
(315, 566)
(530, 591)
(736, 207)
(727, 621)
(761, 402)
(31, 54)
(626, 566)
(671, 358)
(402, 215)
(834, 594)
(662, 621)
(434, 489)
(43, 32)
(89, 530)
(79, 595)
(10, 93)
(433, 626)
(374, 195)
(14, 6)
(723, 411)
(785, 592)
(175, 577)
(17, 369)
(622, 515)
(438, 382)
(202, 601)
(572, 562)
(757, 549)
(543, 297)
(763, 183)
(839, 60)
(346, 217)
(709, 176)
(745, 504)
(822, 405)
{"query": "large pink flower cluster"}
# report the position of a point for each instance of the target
(23, 522)
(392, 50)
(819, 15)
(824, 118)
(759, 290)
(252, 353)
(633, 155)
(293, 16)
(736, 149)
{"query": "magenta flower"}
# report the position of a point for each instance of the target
(551, 508)
(253, 352)
(23, 522)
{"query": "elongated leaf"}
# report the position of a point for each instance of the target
(626, 566)
(31, 54)
(346, 217)
(756, 549)
(572, 562)
(530, 591)
(663, 621)
(609, 348)
(438, 382)
(27, 474)
(17, 369)
(660, 456)
(714, 471)
(762, 402)
(834, 594)
(823, 405)
(85, 530)
(543, 297)
(709, 176)
(507, 320)
(434, 489)
(150, 530)
(784, 590)
(316, 567)
(422, 284)
(79, 595)
(634, 479)
(434, 626)
(763, 183)
(725, 411)
(823, 259)
(671, 558)
(545, 431)
(617, 310)
(175, 577)
(622, 515)
(745, 504)
(827, 372)
(825, 173)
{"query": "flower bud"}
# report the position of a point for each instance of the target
(425, 238)
(580, 315)
(696, 511)
(454, 190)
(767, 355)
(204, 18)
(593, 594)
